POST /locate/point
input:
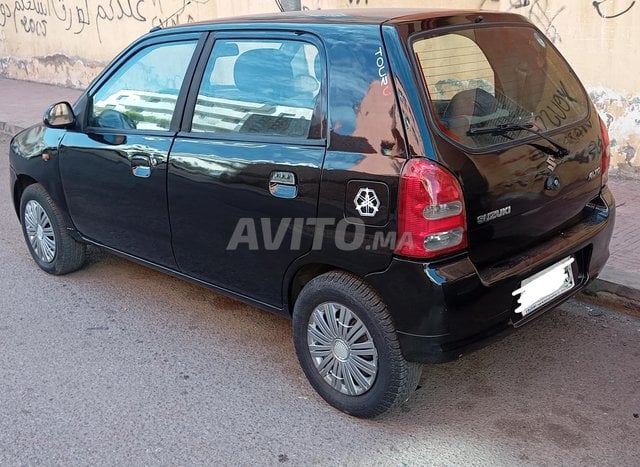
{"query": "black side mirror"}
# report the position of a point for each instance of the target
(59, 115)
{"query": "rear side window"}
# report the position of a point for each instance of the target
(263, 87)
(484, 77)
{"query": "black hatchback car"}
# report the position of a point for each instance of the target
(398, 182)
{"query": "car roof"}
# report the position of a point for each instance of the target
(350, 16)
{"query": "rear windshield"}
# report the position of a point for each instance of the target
(479, 78)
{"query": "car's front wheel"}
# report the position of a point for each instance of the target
(45, 233)
(347, 346)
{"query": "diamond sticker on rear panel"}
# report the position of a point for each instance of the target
(367, 202)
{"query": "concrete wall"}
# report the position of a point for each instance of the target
(68, 41)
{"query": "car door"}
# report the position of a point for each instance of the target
(114, 168)
(244, 173)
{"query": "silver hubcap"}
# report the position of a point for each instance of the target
(39, 231)
(342, 349)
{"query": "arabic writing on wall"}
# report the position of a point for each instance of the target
(80, 17)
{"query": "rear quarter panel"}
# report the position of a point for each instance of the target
(366, 150)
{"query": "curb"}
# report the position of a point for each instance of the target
(619, 296)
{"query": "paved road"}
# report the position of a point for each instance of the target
(117, 365)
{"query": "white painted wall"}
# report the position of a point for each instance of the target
(69, 41)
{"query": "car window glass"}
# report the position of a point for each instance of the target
(266, 87)
(143, 93)
(474, 82)
(453, 63)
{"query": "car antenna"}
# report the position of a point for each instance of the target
(166, 21)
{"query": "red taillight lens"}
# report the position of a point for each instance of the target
(606, 153)
(431, 215)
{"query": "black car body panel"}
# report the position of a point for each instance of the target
(449, 305)
(371, 115)
(27, 162)
(107, 204)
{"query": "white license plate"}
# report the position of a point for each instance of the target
(544, 286)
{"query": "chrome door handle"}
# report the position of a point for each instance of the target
(141, 165)
(283, 184)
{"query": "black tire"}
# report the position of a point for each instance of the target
(396, 379)
(68, 255)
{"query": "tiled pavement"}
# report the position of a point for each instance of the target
(22, 103)
(625, 244)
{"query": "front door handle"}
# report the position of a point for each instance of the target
(141, 165)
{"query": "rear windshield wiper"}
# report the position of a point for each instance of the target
(503, 129)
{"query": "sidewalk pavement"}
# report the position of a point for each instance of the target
(22, 104)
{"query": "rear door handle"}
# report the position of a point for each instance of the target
(141, 165)
(283, 184)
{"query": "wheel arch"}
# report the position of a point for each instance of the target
(297, 278)
(300, 278)
(22, 182)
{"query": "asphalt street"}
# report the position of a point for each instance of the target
(120, 365)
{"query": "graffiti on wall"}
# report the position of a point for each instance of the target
(37, 17)
(484, 3)
(611, 14)
(542, 13)
(545, 13)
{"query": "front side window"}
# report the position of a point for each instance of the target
(484, 77)
(265, 87)
(143, 93)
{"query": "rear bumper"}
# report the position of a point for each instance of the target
(442, 310)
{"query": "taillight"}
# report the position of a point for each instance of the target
(606, 153)
(431, 214)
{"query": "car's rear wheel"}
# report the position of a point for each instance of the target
(347, 346)
(45, 233)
